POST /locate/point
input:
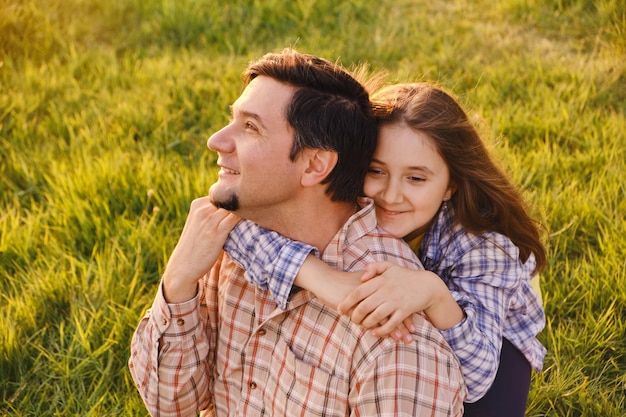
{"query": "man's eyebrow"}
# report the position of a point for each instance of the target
(249, 114)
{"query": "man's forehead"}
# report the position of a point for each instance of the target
(264, 96)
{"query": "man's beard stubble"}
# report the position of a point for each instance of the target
(231, 204)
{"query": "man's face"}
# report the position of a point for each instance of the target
(256, 175)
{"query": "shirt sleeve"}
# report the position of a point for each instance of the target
(483, 282)
(168, 360)
(271, 260)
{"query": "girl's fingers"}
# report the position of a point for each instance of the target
(374, 269)
(400, 333)
(354, 300)
(391, 322)
(409, 324)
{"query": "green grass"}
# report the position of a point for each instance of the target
(105, 108)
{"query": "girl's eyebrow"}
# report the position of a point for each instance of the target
(412, 167)
(421, 168)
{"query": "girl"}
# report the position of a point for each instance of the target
(434, 185)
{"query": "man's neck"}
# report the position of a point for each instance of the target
(314, 224)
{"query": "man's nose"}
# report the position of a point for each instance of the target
(221, 141)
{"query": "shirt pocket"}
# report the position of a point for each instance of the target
(297, 388)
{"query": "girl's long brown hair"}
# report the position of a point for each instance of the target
(485, 199)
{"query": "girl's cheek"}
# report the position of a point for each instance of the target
(371, 187)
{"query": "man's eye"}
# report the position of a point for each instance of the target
(251, 126)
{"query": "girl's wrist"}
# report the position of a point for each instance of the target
(443, 312)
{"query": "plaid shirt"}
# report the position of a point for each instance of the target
(483, 273)
(255, 359)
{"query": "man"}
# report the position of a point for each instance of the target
(293, 160)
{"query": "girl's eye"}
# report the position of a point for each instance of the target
(416, 179)
(374, 171)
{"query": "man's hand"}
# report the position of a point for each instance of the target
(197, 250)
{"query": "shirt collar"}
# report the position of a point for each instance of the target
(360, 224)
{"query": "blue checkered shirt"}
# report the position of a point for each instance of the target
(492, 286)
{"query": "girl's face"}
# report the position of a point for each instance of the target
(407, 180)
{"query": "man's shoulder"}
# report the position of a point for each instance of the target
(427, 355)
(378, 245)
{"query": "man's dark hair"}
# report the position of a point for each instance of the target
(330, 110)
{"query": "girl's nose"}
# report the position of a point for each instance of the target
(392, 193)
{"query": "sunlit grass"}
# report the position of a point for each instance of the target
(105, 108)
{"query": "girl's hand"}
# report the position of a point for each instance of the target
(402, 333)
(390, 295)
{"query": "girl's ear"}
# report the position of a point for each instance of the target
(320, 163)
(450, 191)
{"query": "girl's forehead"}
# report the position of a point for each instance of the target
(401, 136)
(401, 147)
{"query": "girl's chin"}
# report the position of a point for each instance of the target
(393, 230)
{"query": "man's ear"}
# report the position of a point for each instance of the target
(320, 163)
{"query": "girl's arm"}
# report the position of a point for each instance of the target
(276, 263)
(331, 286)
(386, 303)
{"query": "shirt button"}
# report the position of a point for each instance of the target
(262, 332)
(164, 322)
(252, 385)
(180, 322)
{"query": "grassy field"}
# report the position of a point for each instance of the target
(105, 108)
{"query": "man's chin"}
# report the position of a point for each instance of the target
(230, 203)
